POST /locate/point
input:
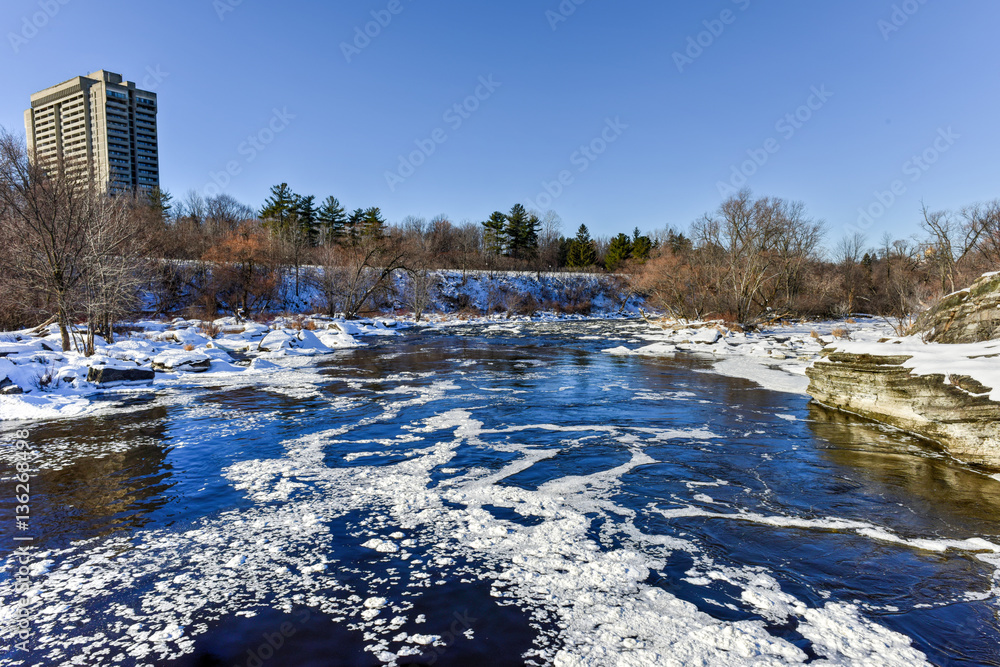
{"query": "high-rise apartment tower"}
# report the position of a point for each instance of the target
(97, 127)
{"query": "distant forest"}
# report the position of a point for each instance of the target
(75, 256)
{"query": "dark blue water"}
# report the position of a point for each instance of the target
(522, 484)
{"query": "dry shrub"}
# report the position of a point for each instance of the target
(309, 325)
(210, 329)
(189, 347)
(841, 333)
(525, 304)
(814, 334)
(244, 274)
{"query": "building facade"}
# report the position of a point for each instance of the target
(97, 128)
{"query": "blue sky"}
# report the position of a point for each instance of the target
(895, 80)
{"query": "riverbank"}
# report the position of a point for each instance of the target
(775, 357)
(40, 381)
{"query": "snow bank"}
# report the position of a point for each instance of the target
(775, 358)
(979, 361)
(39, 381)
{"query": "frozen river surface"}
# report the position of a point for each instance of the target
(497, 496)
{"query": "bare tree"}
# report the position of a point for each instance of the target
(985, 217)
(114, 266)
(45, 219)
(418, 292)
(951, 240)
(225, 213)
(351, 277)
(760, 245)
(849, 255)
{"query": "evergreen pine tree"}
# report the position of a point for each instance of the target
(619, 252)
(305, 213)
(582, 252)
(517, 230)
(495, 233)
(332, 221)
(279, 208)
(355, 222)
(531, 228)
(159, 200)
(372, 223)
(642, 248)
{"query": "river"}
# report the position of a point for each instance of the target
(499, 495)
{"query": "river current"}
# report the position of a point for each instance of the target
(495, 495)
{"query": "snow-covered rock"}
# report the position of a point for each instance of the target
(112, 376)
(280, 339)
(181, 361)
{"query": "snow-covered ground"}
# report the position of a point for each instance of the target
(775, 357)
(38, 380)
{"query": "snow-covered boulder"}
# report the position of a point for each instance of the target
(139, 351)
(184, 337)
(348, 328)
(110, 376)
(305, 341)
(706, 336)
(338, 340)
(173, 361)
(17, 379)
(310, 341)
(278, 340)
(263, 365)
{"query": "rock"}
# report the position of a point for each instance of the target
(182, 361)
(958, 416)
(9, 388)
(706, 336)
(278, 340)
(310, 341)
(969, 316)
(105, 375)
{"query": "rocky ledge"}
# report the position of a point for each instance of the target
(942, 382)
(971, 315)
(951, 409)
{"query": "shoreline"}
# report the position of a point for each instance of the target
(59, 385)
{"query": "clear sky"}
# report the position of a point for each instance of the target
(887, 80)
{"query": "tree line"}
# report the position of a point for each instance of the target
(86, 260)
(760, 258)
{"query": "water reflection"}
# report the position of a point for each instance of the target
(960, 497)
(96, 476)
